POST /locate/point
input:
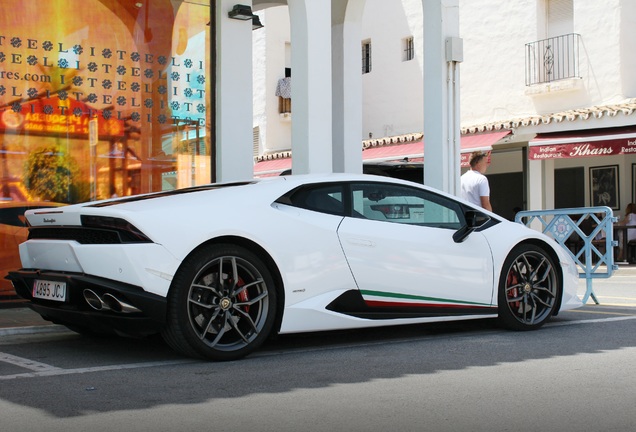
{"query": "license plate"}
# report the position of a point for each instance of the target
(49, 290)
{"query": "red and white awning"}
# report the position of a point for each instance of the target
(392, 152)
(476, 142)
(273, 167)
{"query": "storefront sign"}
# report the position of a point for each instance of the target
(590, 148)
(53, 116)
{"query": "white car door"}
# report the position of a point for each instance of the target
(401, 251)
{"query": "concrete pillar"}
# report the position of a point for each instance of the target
(234, 158)
(311, 85)
(442, 54)
(346, 35)
(548, 185)
(540, 184)
(540, 187)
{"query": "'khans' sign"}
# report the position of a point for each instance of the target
(583, 149)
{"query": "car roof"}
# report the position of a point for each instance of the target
(296, 180)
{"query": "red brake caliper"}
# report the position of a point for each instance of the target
(512, 280)
(243, 296)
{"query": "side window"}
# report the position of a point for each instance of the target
(322, 198)
(402, 204)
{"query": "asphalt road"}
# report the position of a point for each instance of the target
(578, 373)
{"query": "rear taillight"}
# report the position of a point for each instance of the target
(127, 231)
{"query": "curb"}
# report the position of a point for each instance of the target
(52, 328)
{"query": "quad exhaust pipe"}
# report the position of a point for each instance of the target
(108, 302)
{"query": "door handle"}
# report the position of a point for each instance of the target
(361, 242)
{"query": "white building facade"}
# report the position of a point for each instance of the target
(546, 85)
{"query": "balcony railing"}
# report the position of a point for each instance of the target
(553, 59)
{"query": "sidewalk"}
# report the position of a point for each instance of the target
(17, 318)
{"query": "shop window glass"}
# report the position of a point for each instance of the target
(102, 98)
(569, 187)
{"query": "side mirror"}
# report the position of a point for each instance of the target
(474, 220)
(471, 218)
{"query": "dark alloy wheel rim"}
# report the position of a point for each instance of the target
(531, 288)
(228, 303)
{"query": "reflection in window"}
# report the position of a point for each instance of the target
(402, 204)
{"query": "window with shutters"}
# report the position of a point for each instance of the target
(408, 51)
(366, 56)
(557, 56)
(559, 18)
(256, 140)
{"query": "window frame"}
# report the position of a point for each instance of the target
(408, 49)
(366, 56)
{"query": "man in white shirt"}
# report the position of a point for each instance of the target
(475, 187)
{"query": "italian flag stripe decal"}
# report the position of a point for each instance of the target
(397, 299)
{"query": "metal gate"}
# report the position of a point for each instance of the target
(586, 233)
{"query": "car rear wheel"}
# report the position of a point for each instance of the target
(528, 288)
(222, 304)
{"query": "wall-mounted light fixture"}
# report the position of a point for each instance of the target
(244, 13)
(256, 23)
(241, 12)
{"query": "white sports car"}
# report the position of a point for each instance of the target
(216, 269)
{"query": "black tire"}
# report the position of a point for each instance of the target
(529, 288)
(221, 305)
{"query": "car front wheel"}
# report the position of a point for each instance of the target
(528, 288)
(222, 304)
